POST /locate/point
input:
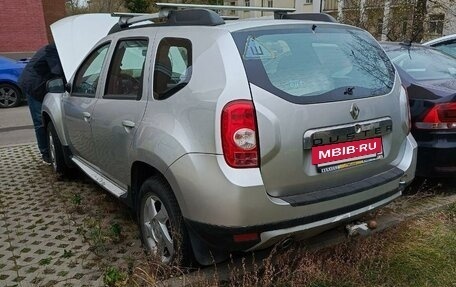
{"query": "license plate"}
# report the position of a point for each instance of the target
(342, 155)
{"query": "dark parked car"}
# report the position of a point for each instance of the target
(445, 44)
(10, 93)
(430, 79)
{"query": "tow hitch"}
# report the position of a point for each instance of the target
(361, 228)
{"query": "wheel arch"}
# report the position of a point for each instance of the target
(52, 112)
(12, 83)
(140, 172)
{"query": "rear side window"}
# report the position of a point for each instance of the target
(173, 66)
(311, 64)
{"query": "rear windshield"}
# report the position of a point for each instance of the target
(424, 64)
(315, 63)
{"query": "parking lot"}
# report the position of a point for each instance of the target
(70, 232)
(55, 232)
(58, 233)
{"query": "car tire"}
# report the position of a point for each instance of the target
(162, 227)
(56, 153)
(10, 96)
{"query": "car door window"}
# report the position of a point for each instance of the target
(173, 66)
(126, 71)
(86, 80)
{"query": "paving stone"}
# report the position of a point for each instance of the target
(47, 238)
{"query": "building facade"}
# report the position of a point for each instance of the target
(25, 24)
(393, 19)
(384, 19)
(256, 3)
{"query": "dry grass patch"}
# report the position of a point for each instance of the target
(421, 252)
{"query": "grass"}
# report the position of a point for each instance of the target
(421, 252)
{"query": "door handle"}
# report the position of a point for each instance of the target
(86, 116)
(128, 124)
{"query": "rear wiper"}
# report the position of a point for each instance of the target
(349, 91)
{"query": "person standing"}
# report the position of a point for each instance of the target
(43, 66)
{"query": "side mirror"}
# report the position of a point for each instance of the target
(55, 86)
(68, 87)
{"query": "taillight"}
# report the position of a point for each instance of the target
(239, 134)
(405, 102)
(439, 117)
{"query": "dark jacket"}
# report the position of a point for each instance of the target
(43, 66)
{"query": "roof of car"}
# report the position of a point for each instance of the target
(439, 40)
(206, 16)
(402, 45)
(237, 25)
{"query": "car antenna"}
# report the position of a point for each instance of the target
(408, 44)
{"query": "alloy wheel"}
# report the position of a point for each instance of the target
(52, 152)
(157, 227)
(8, 96)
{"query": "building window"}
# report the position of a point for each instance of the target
(436, 24)
(270, 3)
(247, 3)
(308, 2)
(380, 26)
(404, 27)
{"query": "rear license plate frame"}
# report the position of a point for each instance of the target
(342, 159)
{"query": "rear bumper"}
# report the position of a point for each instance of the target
(219, 202)
(436, 158)
(270, 234)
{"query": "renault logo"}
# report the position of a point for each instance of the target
(354, 111)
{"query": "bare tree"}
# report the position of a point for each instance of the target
(419, 17)
(397, 20)
(138, 6)
(105, 5)
(75, 7)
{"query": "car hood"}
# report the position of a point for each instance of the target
(432, 90)
(75, 36)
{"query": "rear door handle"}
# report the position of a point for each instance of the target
(86, 116)
(128, 124)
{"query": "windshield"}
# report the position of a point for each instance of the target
(424, 64)
(447, 47)
(310, 63)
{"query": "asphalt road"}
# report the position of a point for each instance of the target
(16, 126)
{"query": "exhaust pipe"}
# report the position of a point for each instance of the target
(403, 183)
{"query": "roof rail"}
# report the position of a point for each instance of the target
(128, 19)
(224, 7)
(197, 17)
(204, 15)
(323, 17)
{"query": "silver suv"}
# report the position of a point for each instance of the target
(231, 136)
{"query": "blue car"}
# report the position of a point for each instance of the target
(10, 93)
